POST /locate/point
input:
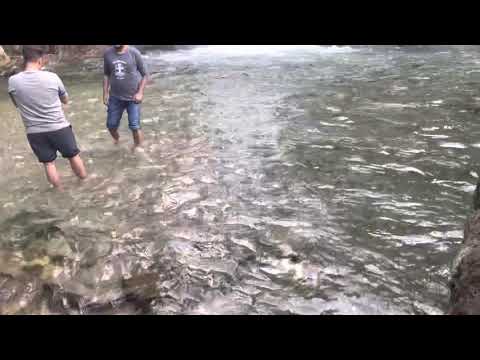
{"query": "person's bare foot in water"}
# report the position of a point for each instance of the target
(138, 148)
(137, 139)
(115, 136)
(88, 180)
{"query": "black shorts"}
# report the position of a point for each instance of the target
(45, 145)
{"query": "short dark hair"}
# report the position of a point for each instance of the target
(32, 53)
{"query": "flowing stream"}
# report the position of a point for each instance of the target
(274, 180)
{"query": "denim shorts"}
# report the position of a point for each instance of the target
(116, 108)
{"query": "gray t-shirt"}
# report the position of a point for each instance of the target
(125, 71)
(37, 94)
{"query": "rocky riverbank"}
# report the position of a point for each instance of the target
(11, 62)
(10, 55)
(465, 281)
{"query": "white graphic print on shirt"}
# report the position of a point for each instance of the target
(119, 67)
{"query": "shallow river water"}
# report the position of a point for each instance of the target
(274, 180)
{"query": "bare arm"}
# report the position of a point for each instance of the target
(62, 92)
(106, 88)
(143, 71)
(13, 100)
(138, 98)
(64, 99)
(142, 85)
(11, 90)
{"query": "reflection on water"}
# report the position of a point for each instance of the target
(304, 180)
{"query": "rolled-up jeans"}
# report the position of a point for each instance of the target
(116, 108)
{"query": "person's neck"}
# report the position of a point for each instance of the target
(33, 67)
(122, 50)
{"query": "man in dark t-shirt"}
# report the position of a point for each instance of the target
(123, 86)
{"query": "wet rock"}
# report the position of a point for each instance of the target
(425, 309)
(11, 263)
(143, 286)
(73, 297)
(243, 248)
(268, 303)
(166, 309)
(58, 246)
(234, 303)
(172, 202)
(476, 197)
(7, 66)
(123, 308)
(187, 180)
(97, 250)
(102, 288)
(136, 193)
(301, 306)
(208, 180)
(465, 280)
(194, 214)
(36, 266)
(4, 59)
(16, 295)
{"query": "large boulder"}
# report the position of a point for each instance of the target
(465, 280)
(6, 63)
(3, 57)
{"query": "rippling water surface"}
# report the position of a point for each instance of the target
(275, 180)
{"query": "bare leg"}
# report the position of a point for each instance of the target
(78, 167)
(52, 175)
(115, 135)
(137, 138)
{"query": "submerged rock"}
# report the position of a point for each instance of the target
(18, 295)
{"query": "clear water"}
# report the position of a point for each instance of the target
(275, 180)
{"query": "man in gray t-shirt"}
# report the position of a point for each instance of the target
(125, 77)
(39, 95)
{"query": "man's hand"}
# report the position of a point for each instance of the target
(138, 97)
(105, 99)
